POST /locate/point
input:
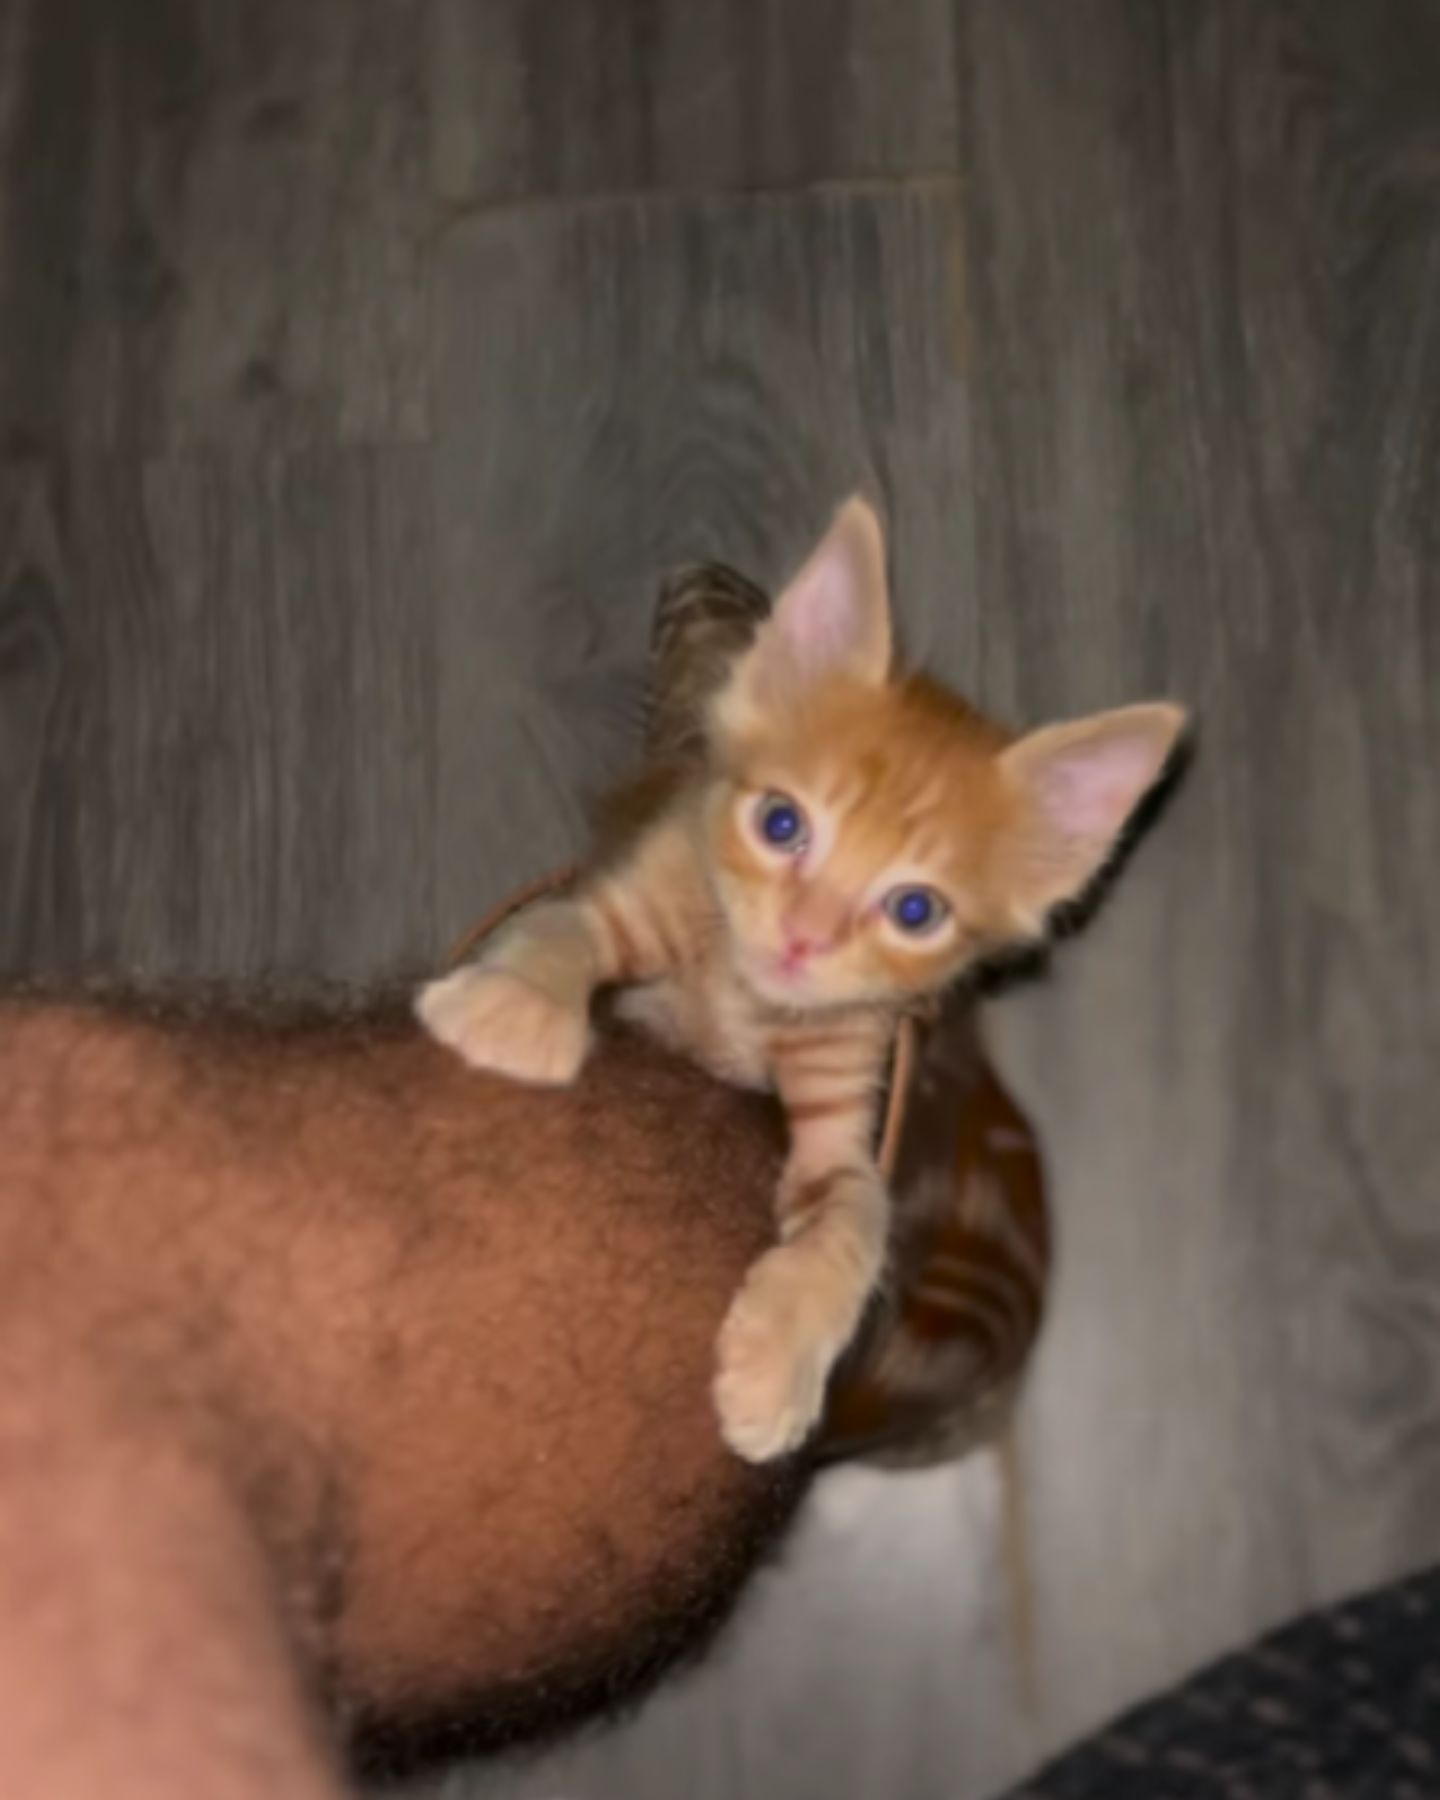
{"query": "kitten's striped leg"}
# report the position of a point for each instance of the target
(802, 1301)
(523, 1009)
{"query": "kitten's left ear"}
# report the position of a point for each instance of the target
(832, 619)
(1078, 785)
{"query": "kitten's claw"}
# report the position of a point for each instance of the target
(497, 1021)
(773, 1364)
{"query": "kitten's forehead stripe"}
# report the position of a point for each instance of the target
(924, 804)
(906, 772)
(845, 796)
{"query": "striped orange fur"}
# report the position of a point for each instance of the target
(835, 847)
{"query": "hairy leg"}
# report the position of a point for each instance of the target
(442, 1344)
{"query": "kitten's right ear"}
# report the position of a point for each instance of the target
(832, 619)
(1078, 785)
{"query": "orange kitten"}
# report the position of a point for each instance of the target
(850, 841)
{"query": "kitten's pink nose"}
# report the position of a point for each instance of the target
(813, 924)
(799, 948)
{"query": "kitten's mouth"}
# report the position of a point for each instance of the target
(776, 975)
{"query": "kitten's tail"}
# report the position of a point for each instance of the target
(1015, 1562)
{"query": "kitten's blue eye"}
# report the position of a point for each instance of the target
(915, 909)
(781, 822)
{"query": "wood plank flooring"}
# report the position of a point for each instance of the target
(362, 364)
(630, 385)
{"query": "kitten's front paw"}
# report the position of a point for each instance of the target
(497, 1021)
(773, 1363)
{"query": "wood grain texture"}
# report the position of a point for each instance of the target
(1335, 264)
(620, 96)
(1199, 468)
(215, 223)
(40, 881)
(1111, 485)
(218, 680)
(629, 386)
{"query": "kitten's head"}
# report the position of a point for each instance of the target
(869, 833)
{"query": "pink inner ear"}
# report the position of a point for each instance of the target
(834, 615)
(821, 618)
(1090, 788)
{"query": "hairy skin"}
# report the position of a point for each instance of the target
(341, 1380)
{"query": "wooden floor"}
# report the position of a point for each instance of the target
(362, 362)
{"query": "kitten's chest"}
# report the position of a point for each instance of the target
(707, 1015)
